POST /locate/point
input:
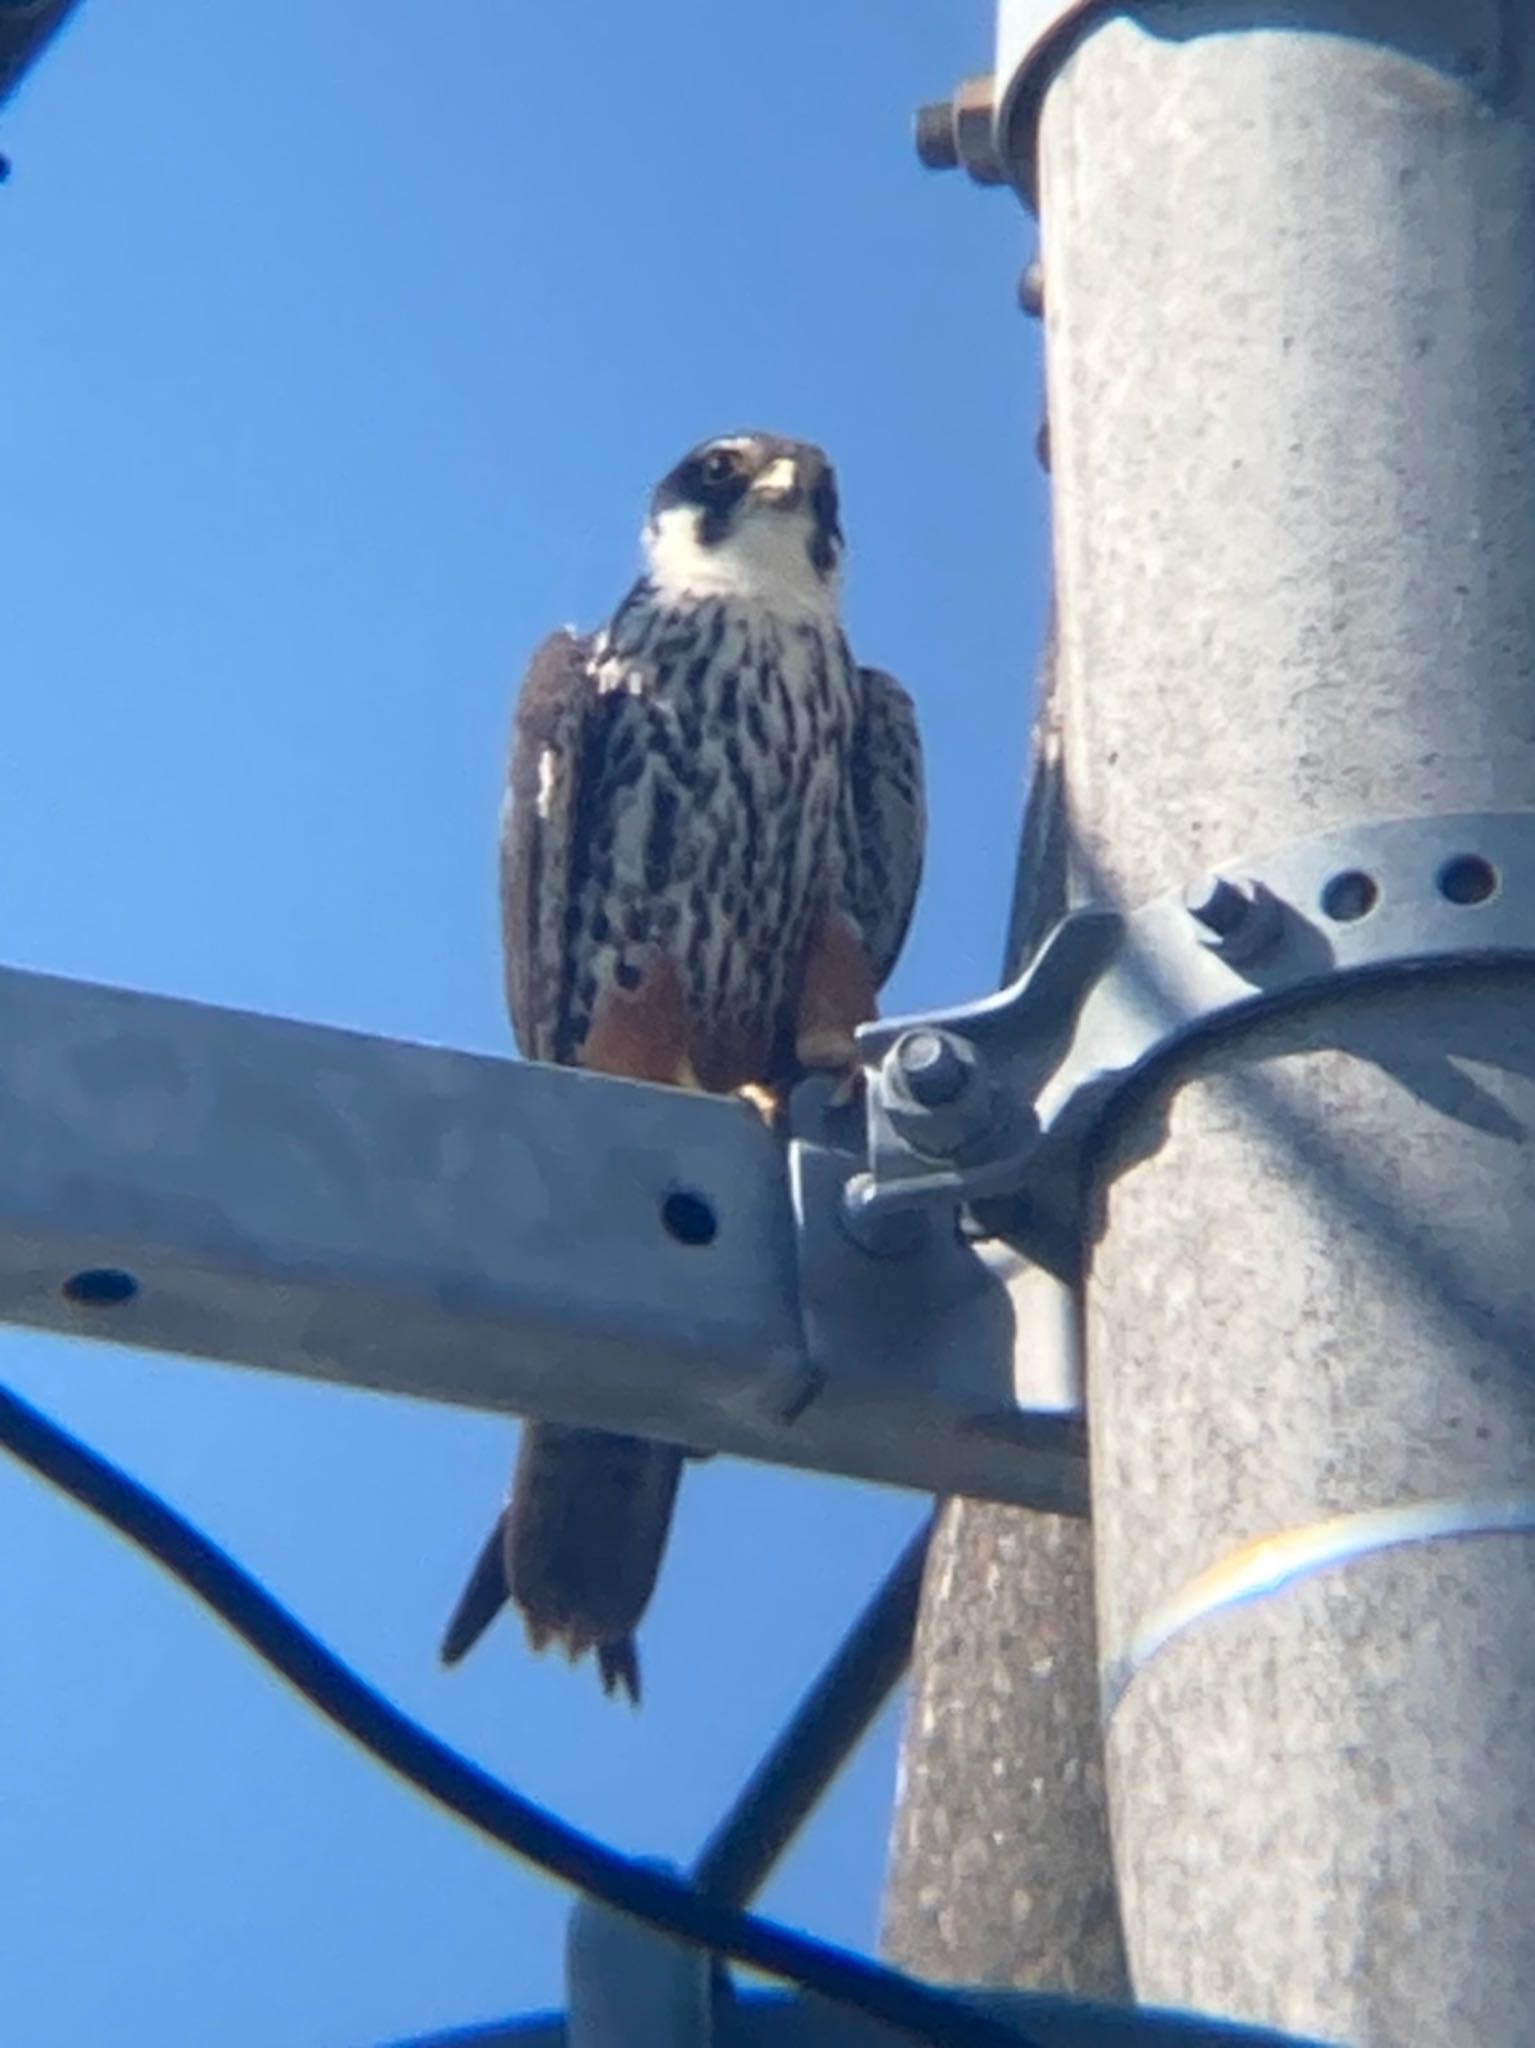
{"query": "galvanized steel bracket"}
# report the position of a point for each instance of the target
(927, 1335)
(999, 1100)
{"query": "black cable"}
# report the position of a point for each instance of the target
(442, 1774)
(824, 1729)
(24, 32)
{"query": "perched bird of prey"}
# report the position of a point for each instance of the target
(710, 846)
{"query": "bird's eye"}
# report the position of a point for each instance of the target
(718, 464)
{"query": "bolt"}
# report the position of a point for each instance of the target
(937, 143)
(1218, 903)
(939, 1096)
(933, 1069)
(1031, 289)
(960, 130)
(881, 1229)
(1240, 918)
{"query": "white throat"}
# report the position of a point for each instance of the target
(762, 562)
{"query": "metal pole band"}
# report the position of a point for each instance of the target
(1111, 994)
(1033, 36)
(1275, 1562)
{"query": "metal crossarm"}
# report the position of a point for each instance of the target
(504, 1235)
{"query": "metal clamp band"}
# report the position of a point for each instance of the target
(1000, 1098)
(1032, 38)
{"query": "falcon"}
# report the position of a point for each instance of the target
(710, 846)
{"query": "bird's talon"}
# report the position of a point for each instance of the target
(763, 1100)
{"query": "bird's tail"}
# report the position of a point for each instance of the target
(577, 1547)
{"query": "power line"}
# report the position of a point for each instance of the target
(442, 1774)
(825, 1728)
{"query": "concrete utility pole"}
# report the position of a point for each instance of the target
(1290, 295)
(1000, 1865)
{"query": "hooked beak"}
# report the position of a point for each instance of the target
(779, 483)
(791, 481)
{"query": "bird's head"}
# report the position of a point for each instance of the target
(749, 516)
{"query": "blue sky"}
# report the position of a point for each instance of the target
(336, 372)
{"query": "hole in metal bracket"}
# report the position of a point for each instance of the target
(1348, 896)
(1466, 878)
(690, 1217)
(100, 1287)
